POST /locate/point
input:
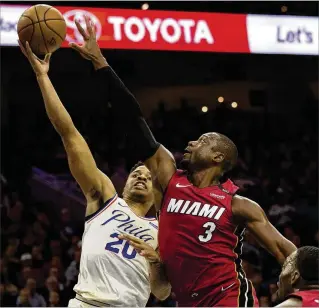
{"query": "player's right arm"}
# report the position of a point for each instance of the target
(250, 214)
(126, 108)
(94, 184)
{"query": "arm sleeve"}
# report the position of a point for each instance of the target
(127, 110)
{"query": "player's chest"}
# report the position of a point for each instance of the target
(121, 220)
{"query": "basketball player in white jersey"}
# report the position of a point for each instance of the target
(112, 272)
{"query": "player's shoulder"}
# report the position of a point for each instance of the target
(239, 201)
(245, 208)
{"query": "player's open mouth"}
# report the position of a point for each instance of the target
(187, 153)
(140, 185)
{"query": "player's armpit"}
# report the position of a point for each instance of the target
(162, 166)
(291, 302)
(96, 186)
(254, 218)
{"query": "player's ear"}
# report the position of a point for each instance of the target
(295, 276)
(218, 157)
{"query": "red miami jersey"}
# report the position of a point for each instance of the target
(309, 298)
(200, 245)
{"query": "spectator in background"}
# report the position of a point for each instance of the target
(35, 299)
(24, 298)
(24, 275)
(37, 256)
(9, 293)
(26, 260)
(72, 272)
(54, 299)
(51, 285)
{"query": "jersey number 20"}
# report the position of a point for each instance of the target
(124, 250)
(210, 228)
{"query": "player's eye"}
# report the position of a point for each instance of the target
(134, 175)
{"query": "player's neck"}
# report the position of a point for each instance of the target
(139, 208)
(204, 178)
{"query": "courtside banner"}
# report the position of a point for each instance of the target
(168, 30)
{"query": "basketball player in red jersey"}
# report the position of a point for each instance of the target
(299, 279)
(202, 220)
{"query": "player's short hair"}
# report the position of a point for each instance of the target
(307, 260)
(230, 151)
(139, 164)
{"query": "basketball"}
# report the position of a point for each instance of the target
(43, 27)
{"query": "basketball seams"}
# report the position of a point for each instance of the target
(45, 43)
(49, 8)
(45, 21)
(34, 23)
(54, 30)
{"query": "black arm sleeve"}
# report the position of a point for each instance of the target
(127, 109)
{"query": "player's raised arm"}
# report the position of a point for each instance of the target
(94, 184)
(252, 215)
(127, 109)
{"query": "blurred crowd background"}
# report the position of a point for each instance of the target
(274, 124)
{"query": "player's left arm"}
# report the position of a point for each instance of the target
(254, 218)
(160, 285)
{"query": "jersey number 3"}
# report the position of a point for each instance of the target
(210, 228)
(124, 250)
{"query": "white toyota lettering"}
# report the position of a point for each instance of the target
(169, 29)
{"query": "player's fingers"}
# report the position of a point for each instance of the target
(47, 57)
(136, 245)
(22, 48)
(130, 238)
(31, 56)
(28, 50)
(76, 47)
(80, 50)
(148, 255)
(93, 29)
(88, 25)
(81, 30)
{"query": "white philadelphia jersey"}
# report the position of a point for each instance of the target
(112, 273)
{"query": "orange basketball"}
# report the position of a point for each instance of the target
(43, 27)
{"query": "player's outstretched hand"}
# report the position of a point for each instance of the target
(142, 248)
(40, 67)
(90, 49)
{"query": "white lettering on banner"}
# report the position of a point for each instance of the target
(186, 24)
(116, 21)
(152, 27)
(171, 30)
(283, 34)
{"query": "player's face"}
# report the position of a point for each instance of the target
(288, 276)
(202, 153)
(140, 182)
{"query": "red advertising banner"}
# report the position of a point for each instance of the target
(161, 30)
(188, 31)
